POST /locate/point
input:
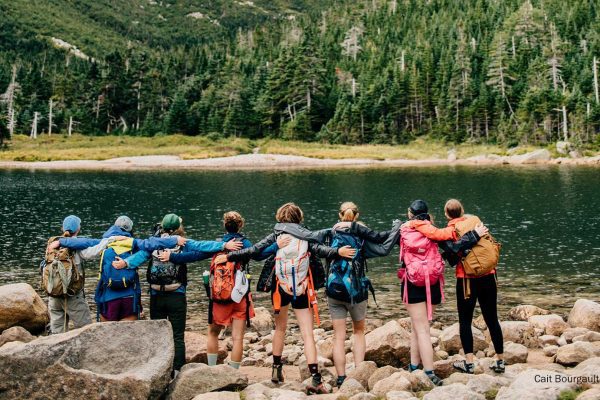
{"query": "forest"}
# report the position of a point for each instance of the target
(372, 71)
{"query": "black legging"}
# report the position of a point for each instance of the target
(482, 289)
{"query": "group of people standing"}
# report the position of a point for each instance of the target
(293, 273)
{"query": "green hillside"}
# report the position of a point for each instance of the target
(376, 71)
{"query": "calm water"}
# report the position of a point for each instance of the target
(546, 218)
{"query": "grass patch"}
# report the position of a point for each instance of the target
(80, 147)
(569, 394)
(491, 394)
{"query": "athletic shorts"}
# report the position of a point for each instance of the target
(224, 314)
(340, 309)
(418, 294)
(118, 309)
(300, 303)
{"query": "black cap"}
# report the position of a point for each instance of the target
(418, 207)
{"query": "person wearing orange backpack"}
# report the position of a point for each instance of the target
(230, 301)
(292, 277)
(421, 288)
(475, 282)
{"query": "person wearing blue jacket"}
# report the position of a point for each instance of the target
(168, 277)
(118, 291)
(231, 313)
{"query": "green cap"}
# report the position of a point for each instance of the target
(171, 222)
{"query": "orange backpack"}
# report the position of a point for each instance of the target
(222, 280)
(483, 257)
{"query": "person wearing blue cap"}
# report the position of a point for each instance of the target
(72, 307)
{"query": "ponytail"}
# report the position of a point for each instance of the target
(348, 212)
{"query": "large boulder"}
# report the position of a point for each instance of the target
(218, 396)
(570, 334)
(552, 324)
(16, 334)
(534, 157)
(450, 339)
(381, 373)
(523, 312)
(577, 352)
(350, 387)
(585, 314)
(533, 384)
(21, 305)
(515, 353)
(454, 391)
(519, 332)
(394, 382)
(563, 147)
(106, 360)
(195, 348)
(194, 379)
(388, 345)
(587, 372)
(262, 322)
(363, 372)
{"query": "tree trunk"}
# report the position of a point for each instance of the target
(596, 80)
(70, 125)
(50, 118)
(565, 123)
(33, 134)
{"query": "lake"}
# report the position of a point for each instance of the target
(545, 217)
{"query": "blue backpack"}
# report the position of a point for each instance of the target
(346, 279)
(111, 278)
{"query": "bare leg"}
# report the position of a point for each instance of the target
(281, 320)
(305, 321)
(339, 353)
(360, 344)
(420, 326)
(238, 328)
(212, 341)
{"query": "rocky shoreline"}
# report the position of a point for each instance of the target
(547, 357)
(278, 161)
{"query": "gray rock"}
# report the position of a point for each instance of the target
(550, 351)
(523, 312)
(563, 147)
(577, 352)
(380, 374)
(534, 157)
(195, 348)
(21, 306)
(395, 382)
(362, 372)
(592, 394)
(552, 324)
(519, 332)
(454, 391)
(585, 314)
(100, 361)
(262, 323)
(364, 396)
(195, 379)
(515, 353)
(218, 396)
(398, 395)
(350, 387)
(546, 340)
(571, 333)
(450, 340)
(590, 336)
(16, 334)
(388, 345)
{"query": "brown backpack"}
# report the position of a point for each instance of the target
(60, 275)
(483, 257)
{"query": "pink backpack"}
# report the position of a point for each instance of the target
(423, 262)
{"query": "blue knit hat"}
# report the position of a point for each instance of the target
(72, 224)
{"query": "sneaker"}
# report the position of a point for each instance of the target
(277, 374)
(340, 380)
(465, 367)
(316, 386)
(498, 366)
(436, 380)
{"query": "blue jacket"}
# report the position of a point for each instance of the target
(193, 250)
(106, 294)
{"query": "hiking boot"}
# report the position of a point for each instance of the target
(277, 374)
(436, 380)
(465, 367)
(498, 366)
(316, 386)
(340, 380)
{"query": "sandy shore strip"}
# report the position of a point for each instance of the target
(278, 162)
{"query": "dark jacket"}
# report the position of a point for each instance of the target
(314, 240)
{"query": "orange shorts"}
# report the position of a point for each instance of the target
(224, 314)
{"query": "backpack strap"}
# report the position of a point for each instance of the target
(312, 297)
(372, 290)
(276, 297)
